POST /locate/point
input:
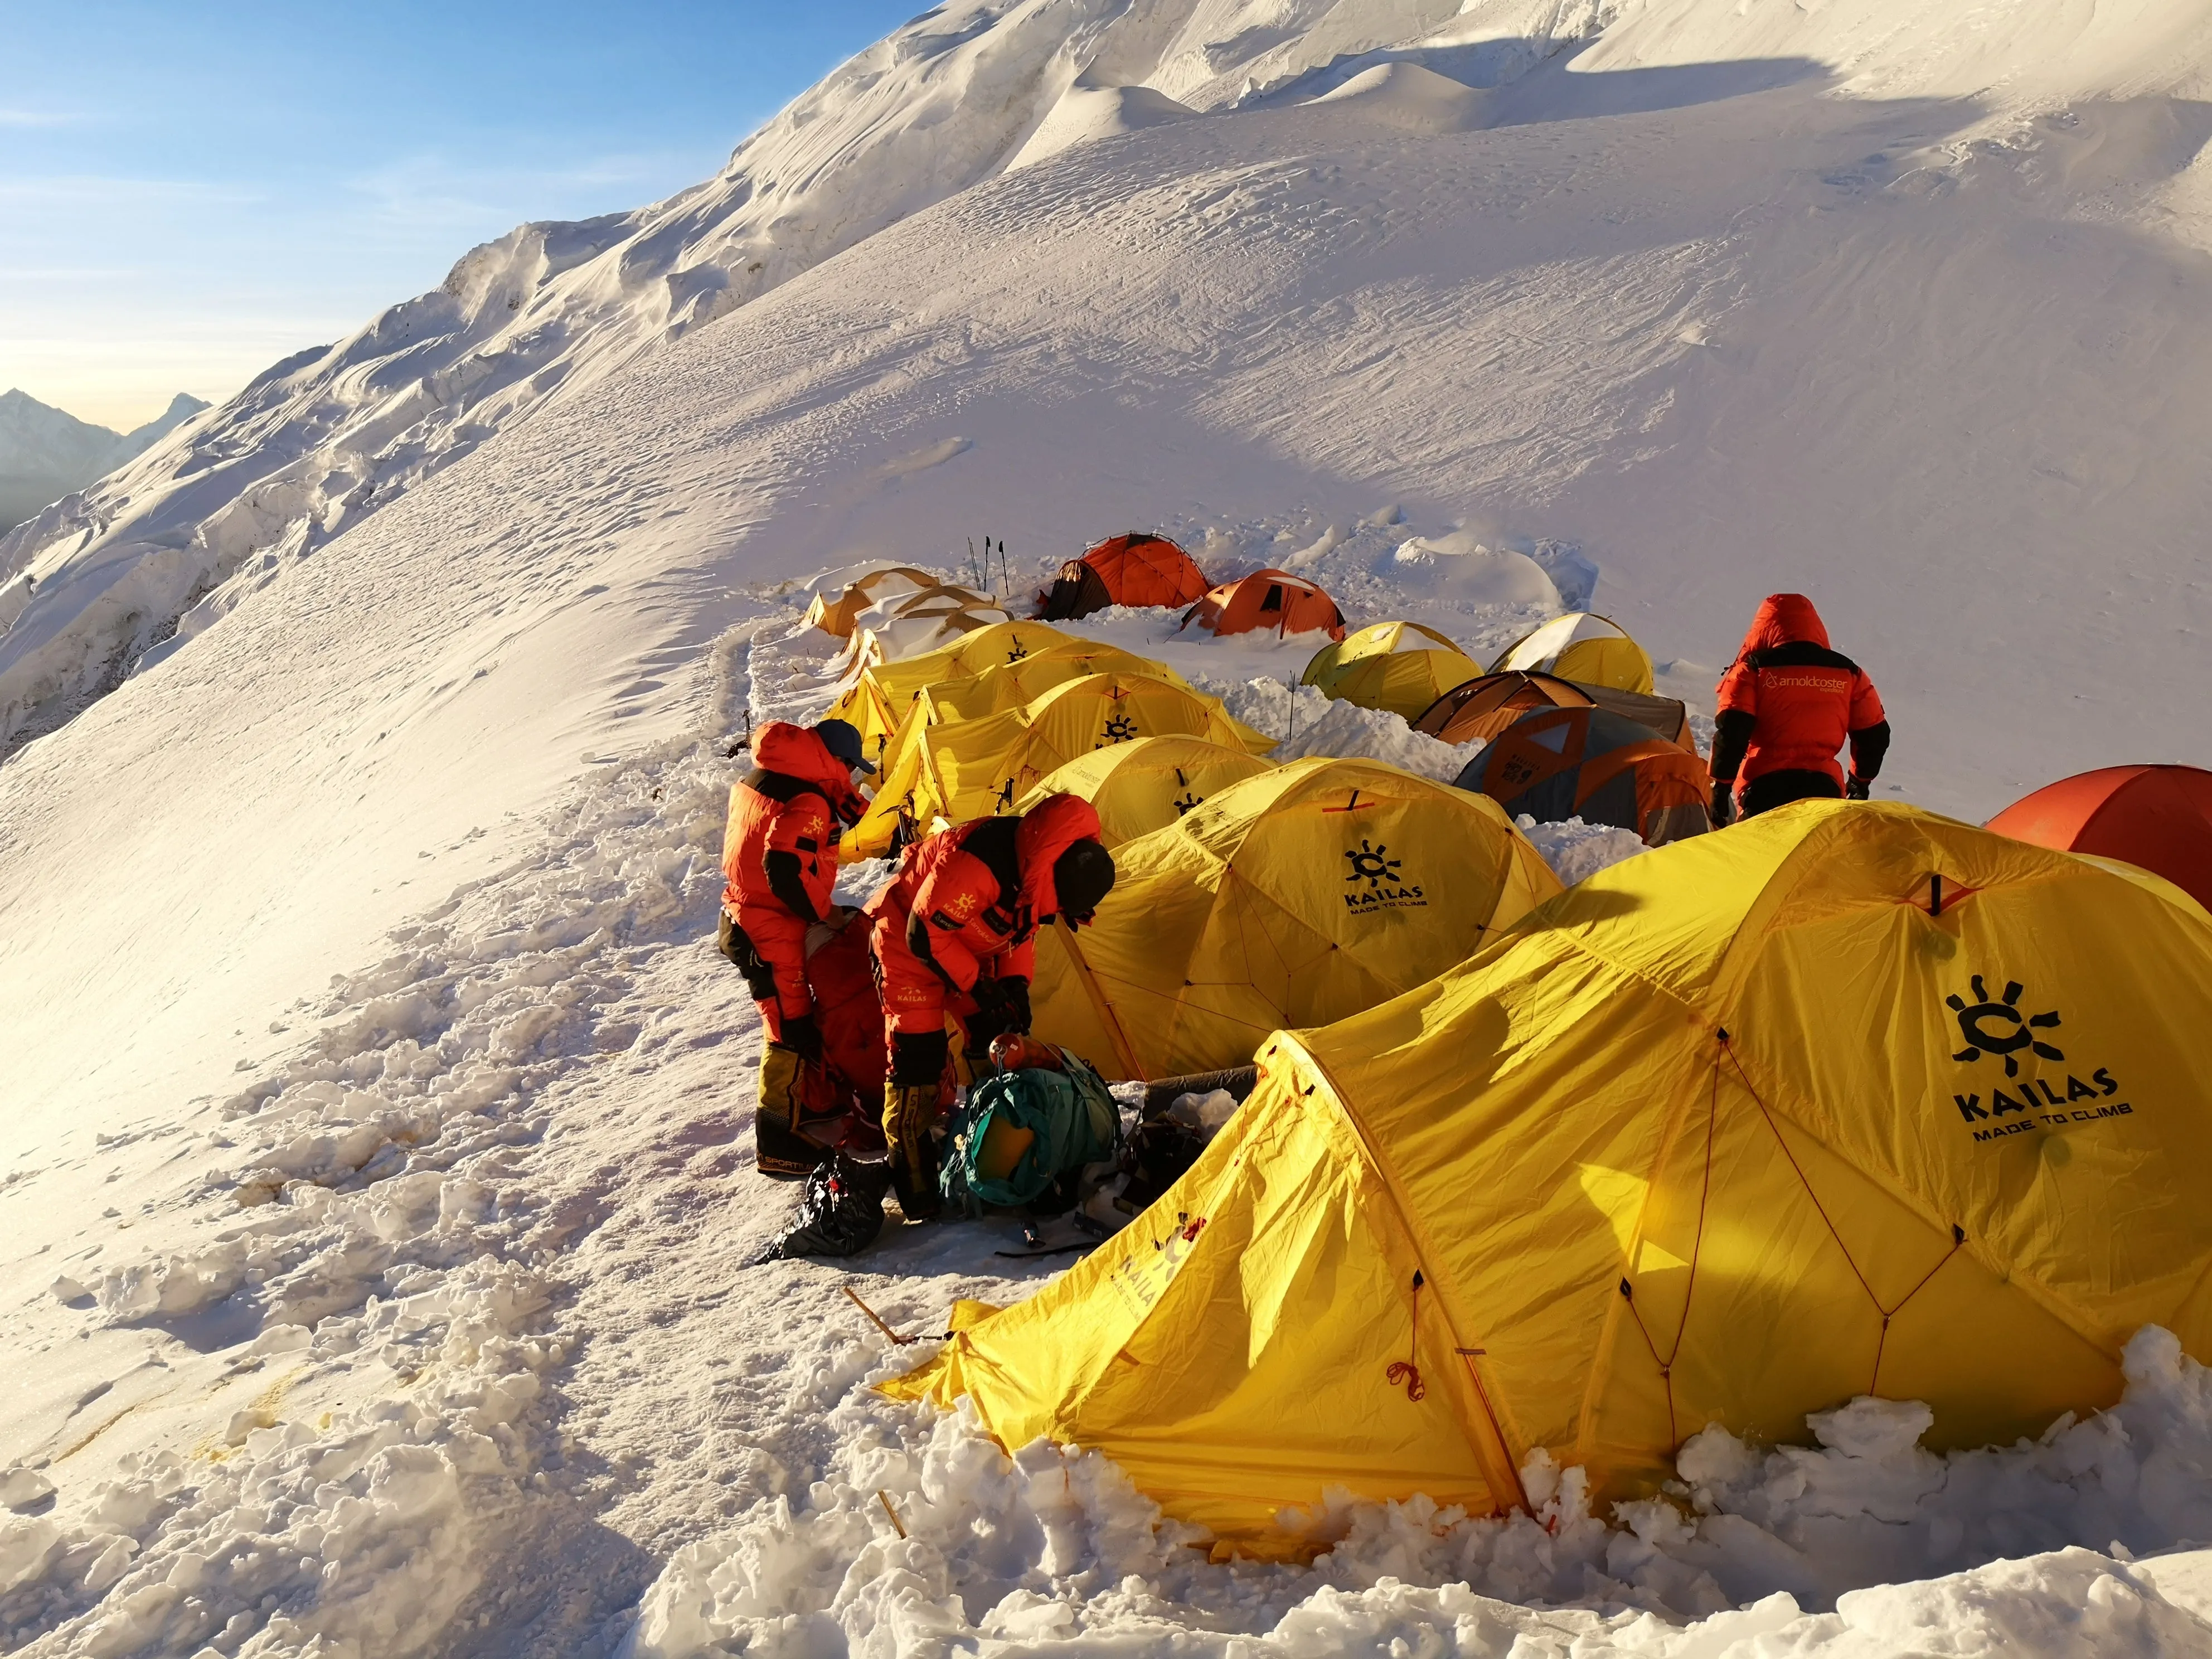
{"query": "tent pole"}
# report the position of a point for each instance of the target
(1123, 1049)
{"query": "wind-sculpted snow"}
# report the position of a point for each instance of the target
(93, 587)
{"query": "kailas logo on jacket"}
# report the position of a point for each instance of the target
(1378, 881)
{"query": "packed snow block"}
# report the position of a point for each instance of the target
(1843, 1101)
(1458, 566)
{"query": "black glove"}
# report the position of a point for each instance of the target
(803, 1037)
(1001, 1005)
(1857, 787)
(1014, 1004)
(1723, 805)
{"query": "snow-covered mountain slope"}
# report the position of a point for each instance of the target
(44, 453)
(380, 892)
(330, 434)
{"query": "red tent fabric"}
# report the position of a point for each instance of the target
(1137, 569)
(1273, 600)
(2158, 818)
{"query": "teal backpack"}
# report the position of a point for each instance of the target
(1018, 1132)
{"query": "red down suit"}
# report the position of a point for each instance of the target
(779, 856)
(1788, 702)
(970, 898)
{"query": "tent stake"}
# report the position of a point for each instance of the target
(897, 1341)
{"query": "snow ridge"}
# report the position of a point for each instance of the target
(330, 434)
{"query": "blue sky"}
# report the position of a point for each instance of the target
(190, 192)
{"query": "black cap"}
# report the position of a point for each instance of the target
(842, 739)
(1081, 878)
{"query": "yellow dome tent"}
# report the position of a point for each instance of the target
(967, 770)
(877, 692)
(834, 613)
(1848, 1099)
(1137, 788)
(1297, 897)
(1582, 647)
(1398, 666)
(1000, 687)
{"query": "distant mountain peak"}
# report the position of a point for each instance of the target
(46, 453)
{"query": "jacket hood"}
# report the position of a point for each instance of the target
(795, 752)
(1784, 619)
(1050, 829)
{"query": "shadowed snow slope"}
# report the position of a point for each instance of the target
(1862, 301)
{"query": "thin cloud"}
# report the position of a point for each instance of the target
(39, 118)
(87, 190)
(427, 189)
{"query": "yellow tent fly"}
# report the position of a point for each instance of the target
(835, 609)
(1137, 788)
(1582, 647)
(1295, 897)
(972, 769)
(1398, 666)
(877, 693)
(1848, 1099)
(1003, 686)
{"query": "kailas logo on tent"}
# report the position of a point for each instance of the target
(1999, 1028)
(1387, 888)
(1185, 802)
(1119, 729)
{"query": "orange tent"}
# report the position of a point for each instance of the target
(1602, 768)
(2158, 818)
(1483, 707)
(1133, 570)
(1267, 599)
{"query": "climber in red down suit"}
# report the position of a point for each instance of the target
(780, 863)
(1788, 703)
(954, 933)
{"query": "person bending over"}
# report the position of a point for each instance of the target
(954, 933)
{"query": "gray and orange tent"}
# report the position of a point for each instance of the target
(1484, 706)
(1559, 764)
(1137, 570)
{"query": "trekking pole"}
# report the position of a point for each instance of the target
(1293, 732)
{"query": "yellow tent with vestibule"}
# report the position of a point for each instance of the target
(1582, 646)
(1848, 1099)
(1400, 667)
(1299, 895)
(964, 769)
(875, 696)
(1137, 788)
(999, 688)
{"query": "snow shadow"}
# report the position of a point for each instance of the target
(1546, 87)
(1557, 91)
